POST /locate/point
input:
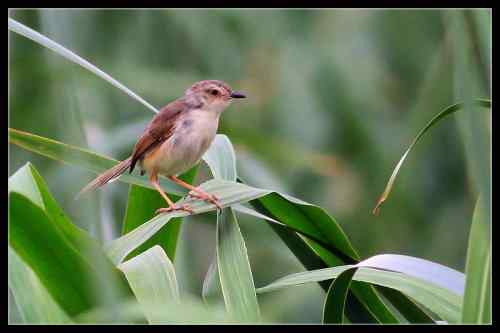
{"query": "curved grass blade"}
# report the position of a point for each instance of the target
(484, 103)
(439, 300)
(432, 272)
(61, 50)
(234, 270)
(477, 296)
(82, 158)
(35, 303)
(333, 310)
(151, 276)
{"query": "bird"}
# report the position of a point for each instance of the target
(175, 140)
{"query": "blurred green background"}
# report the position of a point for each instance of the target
(334, 98)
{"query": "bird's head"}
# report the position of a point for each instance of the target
(214, 94)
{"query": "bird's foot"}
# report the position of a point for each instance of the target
(183, 207)
(206, 196)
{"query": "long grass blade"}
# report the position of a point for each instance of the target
(61, 50)
(477, 297)
(439, 300)
(483, 103)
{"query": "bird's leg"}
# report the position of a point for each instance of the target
(196, 192)
(171, 205)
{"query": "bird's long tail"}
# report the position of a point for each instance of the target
(106, 176)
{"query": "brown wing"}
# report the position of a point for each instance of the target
(158, 130)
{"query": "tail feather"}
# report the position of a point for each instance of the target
(106, 176)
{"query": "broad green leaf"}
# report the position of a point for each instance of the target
(151, 276)
(477, 296)
(81, 158)
(27, 181)
(59, 267)
(142, 204)
(61, 50)
(483, 103)
(439, 300)
(35, 303)
(63, 238)
(333, 310)
(234, 270)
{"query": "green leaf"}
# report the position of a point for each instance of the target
(35, 303)
(364, 304)
(61, 50)
(301, 216)
(484, 103)
(406, 306)
(141, 206)
(434, 273)
(60, 268)
(54, 241)
(221, 159)
(301, 223)
(211, 283)
(306, 224)
(188, 311)
(441, 301)
(151, 276)
(477, 296)
(227, 192)
(333, 310)
(81, 158)
(234, 270)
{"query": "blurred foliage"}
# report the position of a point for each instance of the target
(335, 96)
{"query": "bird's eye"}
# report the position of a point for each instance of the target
(214, 92)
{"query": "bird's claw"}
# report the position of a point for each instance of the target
(211, 198)
(183, 207)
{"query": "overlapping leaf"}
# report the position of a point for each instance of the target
(152, 278)
(35, 303)
(439, 298)
(59, 253)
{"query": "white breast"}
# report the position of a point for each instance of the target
(189, 141)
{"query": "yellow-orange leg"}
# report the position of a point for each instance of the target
(153, 178)
(196, 192)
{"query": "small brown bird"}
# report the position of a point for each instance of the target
(176, 139)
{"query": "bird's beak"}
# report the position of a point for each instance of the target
(237, 94)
